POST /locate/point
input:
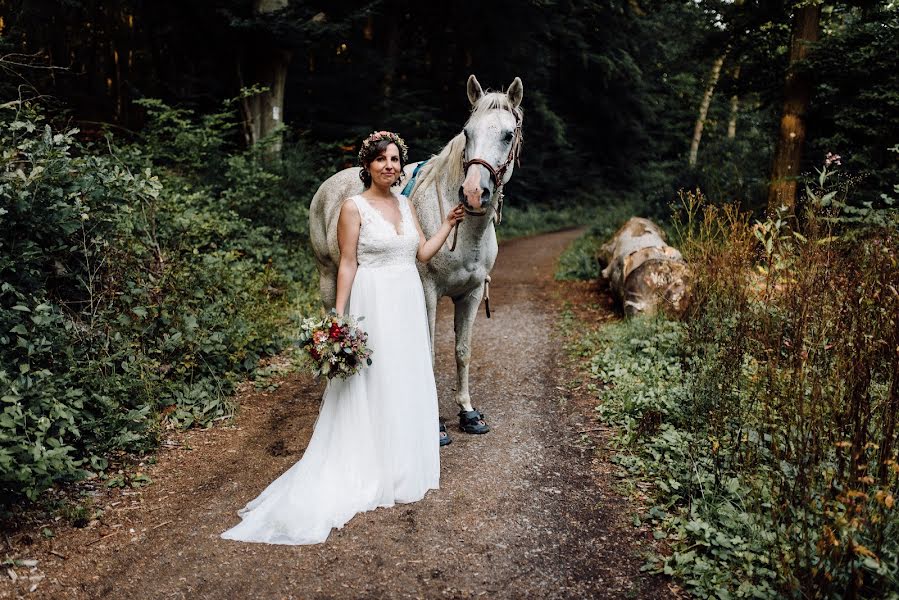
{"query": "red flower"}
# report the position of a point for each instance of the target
(334, 332)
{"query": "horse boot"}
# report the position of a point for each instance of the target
(472, 421)
(445, 439)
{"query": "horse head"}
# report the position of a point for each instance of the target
(492, 143)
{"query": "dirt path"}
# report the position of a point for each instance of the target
(526, 511)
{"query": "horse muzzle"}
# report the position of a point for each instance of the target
(477, 188)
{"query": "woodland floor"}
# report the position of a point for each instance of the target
(531, 510)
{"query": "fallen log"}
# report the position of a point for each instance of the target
(644, 271)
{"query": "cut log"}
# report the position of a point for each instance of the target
(644, 271)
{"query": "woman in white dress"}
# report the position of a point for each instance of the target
(374, 443)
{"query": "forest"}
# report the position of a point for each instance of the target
(157, 161)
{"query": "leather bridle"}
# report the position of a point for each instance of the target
(497, 173)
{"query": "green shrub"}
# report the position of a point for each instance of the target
(767, 420)
(135, 286)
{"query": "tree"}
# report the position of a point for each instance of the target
(797, 93)
(734, 108)
(264, 64)
(704, 109)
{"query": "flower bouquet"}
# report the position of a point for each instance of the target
(335, 344)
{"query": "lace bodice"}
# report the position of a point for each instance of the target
(379, 242)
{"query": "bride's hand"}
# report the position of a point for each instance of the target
(456, 216)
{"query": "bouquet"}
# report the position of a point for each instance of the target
(336, 345)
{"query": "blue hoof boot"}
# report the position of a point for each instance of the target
(445, 439)
(472, 421)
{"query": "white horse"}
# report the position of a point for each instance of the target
(472, 168)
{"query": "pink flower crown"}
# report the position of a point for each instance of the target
(377, 136)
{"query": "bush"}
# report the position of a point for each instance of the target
(767, 420)
(134, 288)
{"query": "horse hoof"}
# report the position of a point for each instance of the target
(472, 421)
(445, 439)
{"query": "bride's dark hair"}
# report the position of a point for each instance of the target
(371, 151)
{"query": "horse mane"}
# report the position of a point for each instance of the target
(449, 159)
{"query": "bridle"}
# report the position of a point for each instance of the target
(497, 173)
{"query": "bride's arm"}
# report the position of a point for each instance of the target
(428, 248)
(348, 224)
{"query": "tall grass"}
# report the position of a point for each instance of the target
(767, 418)
(794, 343)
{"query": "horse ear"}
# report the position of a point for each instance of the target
(515, 92)
(474, 89)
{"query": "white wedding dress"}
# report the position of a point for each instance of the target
(375, 442)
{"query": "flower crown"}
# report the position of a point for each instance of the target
(377, 136)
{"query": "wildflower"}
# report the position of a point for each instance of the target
(832, 159)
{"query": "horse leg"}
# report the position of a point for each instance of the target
(466, 308)
(431, 307)
(327, 285)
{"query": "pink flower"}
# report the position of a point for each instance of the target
(832, 159)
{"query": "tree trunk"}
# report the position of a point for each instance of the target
(797, 92)
(734, 109)
(704, 109)
(267, 66)
(391, 59)
(643, 270)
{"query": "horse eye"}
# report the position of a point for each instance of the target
(507, 137)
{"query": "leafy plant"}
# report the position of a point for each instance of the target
(138, 284)
(766, 421)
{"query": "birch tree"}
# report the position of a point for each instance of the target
(704, 109)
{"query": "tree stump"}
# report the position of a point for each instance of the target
(644, 271)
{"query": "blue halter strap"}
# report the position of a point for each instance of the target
(411, 185)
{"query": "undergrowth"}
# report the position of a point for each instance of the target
(533, 220)
(140, 281)
(766, 420)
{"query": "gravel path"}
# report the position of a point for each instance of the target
(526, 511)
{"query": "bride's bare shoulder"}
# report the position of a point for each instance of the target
(349, 204)
(349, 209)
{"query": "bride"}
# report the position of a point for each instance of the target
(374, 443)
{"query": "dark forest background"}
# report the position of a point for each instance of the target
(612, 89)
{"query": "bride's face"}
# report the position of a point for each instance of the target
(386, 167)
